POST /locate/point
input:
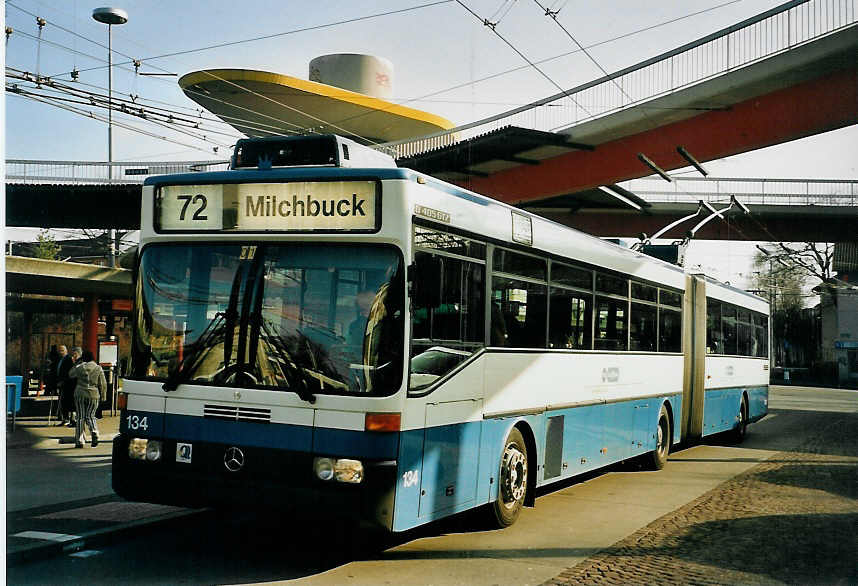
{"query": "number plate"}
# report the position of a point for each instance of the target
(191, 207)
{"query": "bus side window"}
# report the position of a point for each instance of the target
(522, 310)
(611, 324)
(714, 342)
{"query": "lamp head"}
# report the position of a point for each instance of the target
(110, 15)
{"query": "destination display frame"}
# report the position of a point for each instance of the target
(322, 206)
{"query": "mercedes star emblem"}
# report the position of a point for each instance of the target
(233, 459)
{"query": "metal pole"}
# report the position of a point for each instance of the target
(111, 235)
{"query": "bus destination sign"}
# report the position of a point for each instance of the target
(307, 206)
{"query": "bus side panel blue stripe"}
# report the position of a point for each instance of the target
(494, 433)
(582, 438)
(758, 402)
(273, 435)
(356, 444)
(676, 406)
(450, 462)
(410, 462)
(721, 407)
(586, 433)
(595, 436)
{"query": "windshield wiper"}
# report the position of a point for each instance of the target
(189, 362)
(295, 375)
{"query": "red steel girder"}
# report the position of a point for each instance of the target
(812, 107)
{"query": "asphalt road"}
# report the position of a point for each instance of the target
(567, 526)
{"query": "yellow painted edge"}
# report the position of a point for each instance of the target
(312, 87)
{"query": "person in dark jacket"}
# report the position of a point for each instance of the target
(66, 386)
(52, 362)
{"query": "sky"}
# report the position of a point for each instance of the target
(435, 46)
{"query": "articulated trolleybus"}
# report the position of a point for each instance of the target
(318, 329)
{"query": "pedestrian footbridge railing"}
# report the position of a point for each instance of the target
(788, 192)
(69, 172)
(774, 31)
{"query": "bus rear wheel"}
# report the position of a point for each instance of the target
(512, 481)
(741, 429)
(658, 457)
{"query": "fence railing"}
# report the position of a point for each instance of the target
(796, 192)
(774, 31)
(32, 171)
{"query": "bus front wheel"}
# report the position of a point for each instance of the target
(512, 481)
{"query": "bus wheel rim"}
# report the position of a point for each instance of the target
(513, 475)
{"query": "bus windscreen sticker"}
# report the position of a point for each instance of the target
(276, 207)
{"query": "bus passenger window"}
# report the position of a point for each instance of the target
(744, 332)
(522, 310)
(611, 324)
(669, 330)
(571, 319)
(714, 341)
(642, 330)
(728, 323)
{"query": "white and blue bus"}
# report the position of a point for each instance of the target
(320, 330)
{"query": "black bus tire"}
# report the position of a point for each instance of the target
(512, 481)
(658, 457)
(741, 429)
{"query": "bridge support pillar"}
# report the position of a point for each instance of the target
(90, 324)
(26, 351)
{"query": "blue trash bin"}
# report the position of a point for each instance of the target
(13, 393)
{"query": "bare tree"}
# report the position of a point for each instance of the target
(810, 259)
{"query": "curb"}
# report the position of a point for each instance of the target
(97, 537)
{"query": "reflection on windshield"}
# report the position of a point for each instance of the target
(303, 318)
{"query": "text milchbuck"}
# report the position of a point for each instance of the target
(270, 206)
(310, 205)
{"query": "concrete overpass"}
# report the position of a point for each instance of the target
(785, 74)
(788, 210)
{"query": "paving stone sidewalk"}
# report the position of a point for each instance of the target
(790, 520)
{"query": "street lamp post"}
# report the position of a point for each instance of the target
(110, 16)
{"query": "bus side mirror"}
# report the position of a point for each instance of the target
(426, 280)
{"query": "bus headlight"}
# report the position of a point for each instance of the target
(324, 468)
(153, 451)
(350, 471)
(137, 448)
(343, 470)
(144, 449)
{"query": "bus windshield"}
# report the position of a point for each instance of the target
(305, 318)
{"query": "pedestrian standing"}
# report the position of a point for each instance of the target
(52, 362)
(90, 390)
(65, 386)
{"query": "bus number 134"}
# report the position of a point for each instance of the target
(135, 422)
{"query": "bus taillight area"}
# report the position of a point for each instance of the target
(241, 477)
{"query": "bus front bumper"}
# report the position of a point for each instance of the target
(268, 479)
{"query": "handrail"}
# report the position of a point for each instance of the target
(43, 171)
(754, 191)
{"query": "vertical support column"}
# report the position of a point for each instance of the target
(26, 337)
(90, 324)
(694, 340)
